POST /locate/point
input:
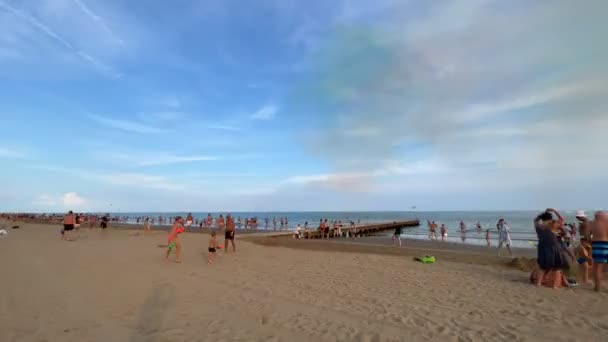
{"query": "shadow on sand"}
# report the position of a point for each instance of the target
(152, 313)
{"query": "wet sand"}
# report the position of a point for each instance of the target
(383, 245)
(116, 286)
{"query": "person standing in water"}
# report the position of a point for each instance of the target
(229, 235)
(488, 238)
(463, 231)
(444, 232)
(174, 243)
(504, 236)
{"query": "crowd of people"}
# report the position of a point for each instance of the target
(555, 257)
(558, 248)
(327, 229)
(502, 228)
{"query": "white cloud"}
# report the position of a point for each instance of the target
(223, 127)
(484, 110)
(11, 153)
(99, 66)
(364, 181)
(46, 200)
(147, 158)
(267, 112)
(68, 201)
(140, 180)
(47, 31)
(72, 200)
(126, 125)
(99, 20)
(160, 116)
(130, 179)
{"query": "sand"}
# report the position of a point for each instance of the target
(114, 286)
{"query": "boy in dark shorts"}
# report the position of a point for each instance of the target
(212, 248)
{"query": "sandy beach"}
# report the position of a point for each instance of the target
(117, 286)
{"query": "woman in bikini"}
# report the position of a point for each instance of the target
(173, 239)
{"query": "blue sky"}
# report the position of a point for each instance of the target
(291, 105)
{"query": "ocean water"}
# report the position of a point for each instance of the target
(521, 222)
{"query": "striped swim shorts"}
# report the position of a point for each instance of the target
(599, 252)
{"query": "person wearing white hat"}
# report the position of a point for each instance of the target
(583, 225)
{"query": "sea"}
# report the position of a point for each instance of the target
(520, 222)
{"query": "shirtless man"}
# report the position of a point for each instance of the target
(229, 236)
(433, 231)
(598, 234)
(68, 225)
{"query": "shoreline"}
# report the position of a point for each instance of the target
(443, 251)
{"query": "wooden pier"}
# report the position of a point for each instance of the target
(363, 230)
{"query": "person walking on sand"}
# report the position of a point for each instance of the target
(504, 236)
(229, 235)
(598, 234)
(68, 225)
(173, 239)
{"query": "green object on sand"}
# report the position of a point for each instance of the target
(426, 259)
(171, 245)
